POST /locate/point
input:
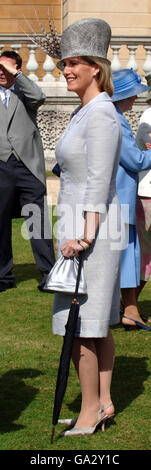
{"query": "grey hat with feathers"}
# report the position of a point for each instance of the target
(86, 37)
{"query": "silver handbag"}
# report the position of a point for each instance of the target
(63, 277)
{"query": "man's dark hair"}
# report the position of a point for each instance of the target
(13, 55)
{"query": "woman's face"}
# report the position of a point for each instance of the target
(79, 74)
(127, 104)
(130, 102)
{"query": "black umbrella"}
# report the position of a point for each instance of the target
(63, 371)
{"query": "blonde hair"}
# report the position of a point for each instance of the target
(104, 77)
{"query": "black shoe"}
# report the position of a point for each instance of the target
(145, 320)
(41, 286)
(4, 286)
(122, 308)
(136, 324)
(43, 282)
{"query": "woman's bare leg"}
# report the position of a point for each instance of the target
(105, 353)
(130, 303)
(86, 363)
(94, 361)
(140, 288)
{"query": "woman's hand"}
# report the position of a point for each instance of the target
(7, 65)
(71, 248)
(148, 145)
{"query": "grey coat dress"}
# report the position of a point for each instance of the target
(88, 154)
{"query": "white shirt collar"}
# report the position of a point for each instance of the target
(2, 88)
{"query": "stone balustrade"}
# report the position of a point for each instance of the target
(132, 52)
(124, 51)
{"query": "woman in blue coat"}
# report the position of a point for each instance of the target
(127, 84)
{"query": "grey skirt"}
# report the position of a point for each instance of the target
(100, 307)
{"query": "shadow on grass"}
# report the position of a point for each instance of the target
(145, 307)
(15, 396)
(25, 272)
(129, 375)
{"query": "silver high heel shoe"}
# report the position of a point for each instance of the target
(83, 431)
(103, 422)
(106, 417)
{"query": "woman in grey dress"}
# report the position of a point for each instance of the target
(89, 215)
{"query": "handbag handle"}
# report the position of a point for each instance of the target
(79, 273)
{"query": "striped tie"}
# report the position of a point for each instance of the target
(5, 99)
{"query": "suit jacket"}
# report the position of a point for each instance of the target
(132, 160)
(18, 129)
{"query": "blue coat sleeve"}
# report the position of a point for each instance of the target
(131, 157)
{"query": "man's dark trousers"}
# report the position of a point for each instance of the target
(17, 181)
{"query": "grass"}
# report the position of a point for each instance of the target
(29, 356)
(49, 173)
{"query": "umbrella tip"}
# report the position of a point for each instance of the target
(52, 434)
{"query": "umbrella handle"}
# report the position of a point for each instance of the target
(52, 434)
(79, 273)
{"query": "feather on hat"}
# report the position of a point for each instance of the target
(88, 37)
(49, 42)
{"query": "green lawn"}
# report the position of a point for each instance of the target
(29, 359)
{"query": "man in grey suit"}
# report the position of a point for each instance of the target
(22, 168)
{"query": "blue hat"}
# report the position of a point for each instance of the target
(126, 84)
